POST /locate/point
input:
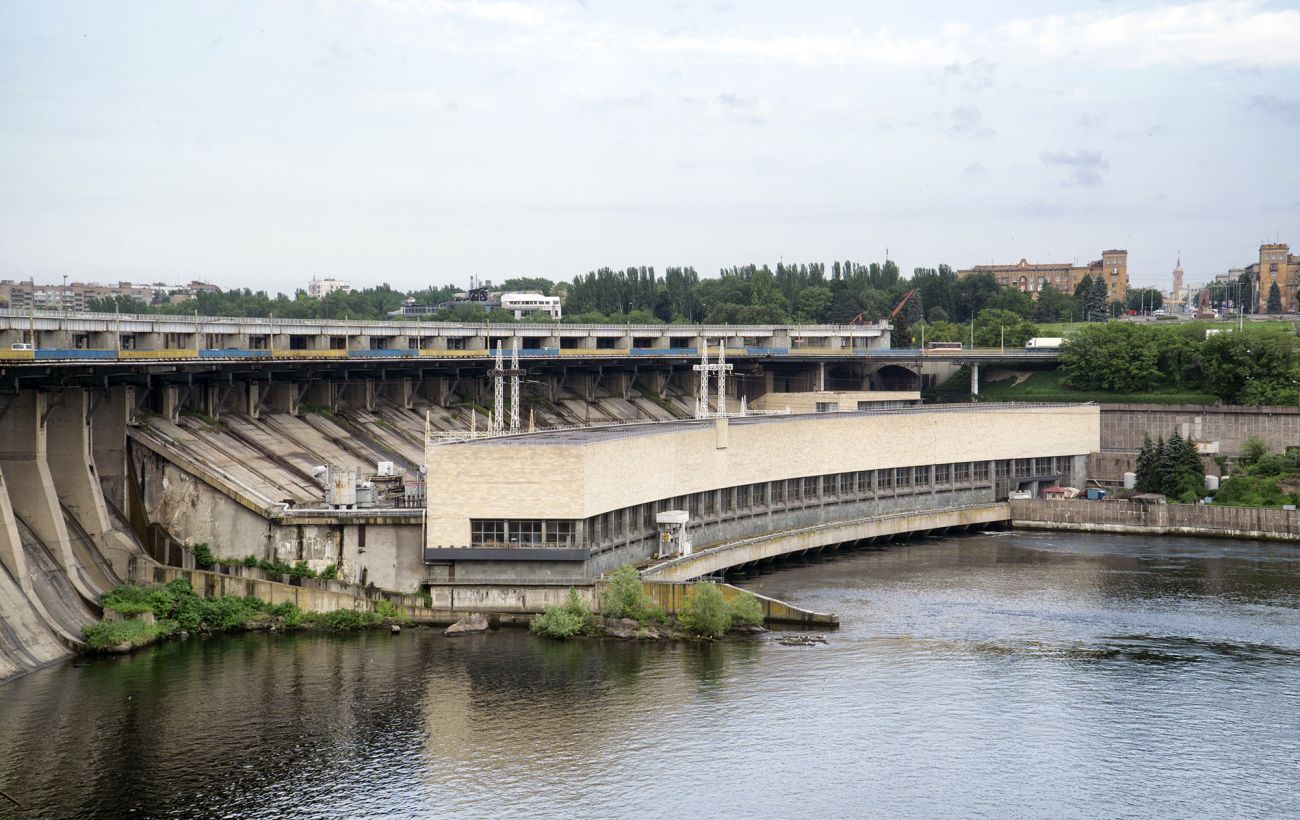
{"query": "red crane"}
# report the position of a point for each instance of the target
(859, 320)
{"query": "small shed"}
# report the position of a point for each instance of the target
(1054, 493)
(1150, 498)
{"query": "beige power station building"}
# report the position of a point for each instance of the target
(1032, 277)
(581, 502)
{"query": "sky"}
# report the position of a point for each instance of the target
(419, 142)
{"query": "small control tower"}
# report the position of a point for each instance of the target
(674, 539)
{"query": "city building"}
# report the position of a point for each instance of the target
(320, 288)
(1064, 276)
(1178, 296)
(77, 296)
(1276, 265)
(528, 304)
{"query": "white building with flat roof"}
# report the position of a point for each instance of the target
(320, 288)
(527, 304)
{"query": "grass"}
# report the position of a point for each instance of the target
(1063, 329)
(177, 608)
(1045, 386)
(111, 634)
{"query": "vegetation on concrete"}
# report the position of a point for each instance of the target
(117, 635)
(1252, 366)
(707, 614)
(567, 620)
(1171, 467)
(177, 608)
(204, 559)
(1047, 385)
(1261, 478)
(625, 597)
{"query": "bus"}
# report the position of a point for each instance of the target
(942, 347)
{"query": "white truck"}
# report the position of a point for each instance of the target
(1044, 343)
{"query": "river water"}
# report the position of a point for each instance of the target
(1001, 675)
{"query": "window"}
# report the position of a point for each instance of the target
(942, 474)
(1024, 467)
(487, 533)
(1042, 466)
(921, 476)
(864, 483)
(981, 470)
(903, 477)
(526, 533)
(846, 484)
(885, 479)
(811, 488)
(961, 472)
(1004, 469)
(828, 406)
(778, 492)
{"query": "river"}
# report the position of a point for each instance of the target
(1000, 675)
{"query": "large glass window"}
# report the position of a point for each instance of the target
(942, 474)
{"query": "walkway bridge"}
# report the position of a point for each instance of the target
(748, 552)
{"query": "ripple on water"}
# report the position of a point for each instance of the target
(1021, 674)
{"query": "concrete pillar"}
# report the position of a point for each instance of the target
(73, 471)
(821, 376)
(253, 394)
(171, 402)
(23, 454)
(285, 397)
(109, 421)
(974, 380)
(620, 384)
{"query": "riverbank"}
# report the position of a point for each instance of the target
(1158, 519)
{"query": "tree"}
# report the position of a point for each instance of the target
(972, 292)
(1054, 305)
(937, 314)
(1115, 356)
(995, 327)
(1147, 479)
(1274, 299)
(624, 596)
(1098, 303)
(1013, 300)
(814, 303)
(1252, 366)
(528, 284)
(1082, 289)
(1144, 300)
(705, 613)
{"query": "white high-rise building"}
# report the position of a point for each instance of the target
(320, 288)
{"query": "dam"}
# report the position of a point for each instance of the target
(127, 443)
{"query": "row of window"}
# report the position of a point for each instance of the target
(510, 532)
(637, 522)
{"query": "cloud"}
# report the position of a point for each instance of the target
(974, 169)
(1284, 109)
(974, 75)
(1238, 33)
(1085, 167)
(967, 121)
(732, 105)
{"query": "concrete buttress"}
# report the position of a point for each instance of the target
(23, 459)
(73, 470)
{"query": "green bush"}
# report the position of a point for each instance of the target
(330, 572)
(625, 597)
(276, 567)
(108, 634)
(250, 561)
(388, 611)
(203, 557)
(705, 613)
(347, 619)
(566, 620)
(128, 599)
(1251, 491)
(746, 609)
(301, 570)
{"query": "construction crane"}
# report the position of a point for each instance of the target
(893, 314)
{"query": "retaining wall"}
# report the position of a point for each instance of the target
(1158, 519)
(1124, 425)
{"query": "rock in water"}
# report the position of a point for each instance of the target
(469, 624)
(621, 627)
(396, 629)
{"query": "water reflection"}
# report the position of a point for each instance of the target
(1040, 674)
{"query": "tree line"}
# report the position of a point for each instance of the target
(1253, 366)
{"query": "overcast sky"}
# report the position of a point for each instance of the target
(421, 141)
